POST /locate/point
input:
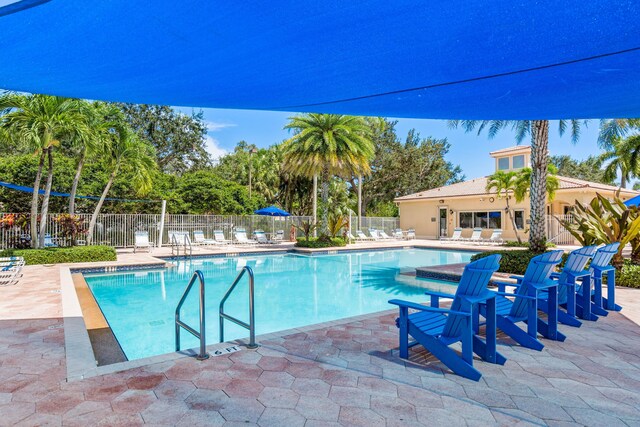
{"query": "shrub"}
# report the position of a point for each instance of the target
(321, 242)
(63, 255)
(514, 262)
(629, 276)
(516, 244)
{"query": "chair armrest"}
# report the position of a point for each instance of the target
(503, 285)
(439, 294)
(507, 294)
(483, 298)
(420, 307)
(543, 286)
(555, 275)
(518, 277)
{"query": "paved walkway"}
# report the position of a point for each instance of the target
(340, 375)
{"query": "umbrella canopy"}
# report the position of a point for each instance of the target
(272, 211)
(633, 201)
(438, 59)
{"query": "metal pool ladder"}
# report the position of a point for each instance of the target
(180, 324)
(251, 325)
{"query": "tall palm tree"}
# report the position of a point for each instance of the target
(39, 123)
(125, 152)
(328, 145)
(622, 158)
(612, 130)
(538, 130)
(504, 184)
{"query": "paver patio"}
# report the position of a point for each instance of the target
(338, 375)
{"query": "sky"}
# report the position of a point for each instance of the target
(470, 151)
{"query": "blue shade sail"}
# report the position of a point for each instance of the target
(455, 59)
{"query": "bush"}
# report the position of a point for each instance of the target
(514, 262)
(516, 244)
(629, 276)
(321, 242)
(63, 255)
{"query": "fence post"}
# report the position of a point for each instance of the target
(161, 231)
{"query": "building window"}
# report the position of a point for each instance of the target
(518, 161)
(503, 163)
(518, 216)
(481, 219)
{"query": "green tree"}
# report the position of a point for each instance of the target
(504, 184)
(328, 145)
(588, 169)
(125, 151)
(612, 130)
(178, 139)
(538, 130)
(621, 158)
(39, 123)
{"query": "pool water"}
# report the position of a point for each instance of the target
(290, 291)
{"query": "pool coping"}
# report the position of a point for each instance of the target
(80, 358)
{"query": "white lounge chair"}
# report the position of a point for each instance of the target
(374, 234)
(456, 236)
(495, 238)
(141, 240)
(218, 235)
(383, 235)
(242, 239)
(261, 237)
(277, 238)
(200, 240)
(10, 270)
(476, 236)
(363, 237)
(411, 234)
(397, 234)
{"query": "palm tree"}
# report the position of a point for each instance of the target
(612, 130)
(327, 145)
(101, 119)
(538, 130)
(504, 183)
(622, 157)
(523, 183)
(39, 123)
(125, 152)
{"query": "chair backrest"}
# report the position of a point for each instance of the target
(260, 236)
(576, 262)
(604, 255)
(48, 240)
(219, 235)
(198, 236)
(538, 271)
(142, 238)
(361, 234)
(411, 232)
(241, 234)
(374, 233)
(457, 233)
(496, 234)
(475, 235)
(383, 234)
(473, 283)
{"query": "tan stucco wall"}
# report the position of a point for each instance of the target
(418, 214)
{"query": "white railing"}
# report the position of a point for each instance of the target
(556, 233)
(118, 229)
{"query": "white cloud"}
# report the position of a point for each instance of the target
(217, 126)
(214, 149)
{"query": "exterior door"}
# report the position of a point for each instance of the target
(442, 222)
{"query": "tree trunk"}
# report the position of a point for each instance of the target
(45, 200)
(513, 220)
(34, 203)
(74, 186)
(538, 192)
(623, 181)
(325, 201)
(359, 200)
(94, 217)
(315, 202)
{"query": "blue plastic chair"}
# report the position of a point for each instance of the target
(573, 271)
(437, 328)
(600, 265)
(524, 306)
(48, 241)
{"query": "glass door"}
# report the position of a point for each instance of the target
(442, 222)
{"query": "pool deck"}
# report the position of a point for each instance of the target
(335, 374)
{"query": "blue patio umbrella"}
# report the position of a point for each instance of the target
(272, 211)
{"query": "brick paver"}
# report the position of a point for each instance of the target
(341, 375)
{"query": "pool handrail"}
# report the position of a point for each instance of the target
(197, 275)
(222, 315)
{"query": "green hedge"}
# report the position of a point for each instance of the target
(514, 262)
(320, 242)
(63, 255)
(629, 276)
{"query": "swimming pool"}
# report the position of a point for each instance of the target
(290, 291)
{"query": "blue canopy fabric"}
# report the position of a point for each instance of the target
(41, 192)
(454, 59)
(272, 211)
(634, 201)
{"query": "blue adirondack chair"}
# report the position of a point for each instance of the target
(600, 265)
(524, 306)
(573, 270)
(437, 328)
